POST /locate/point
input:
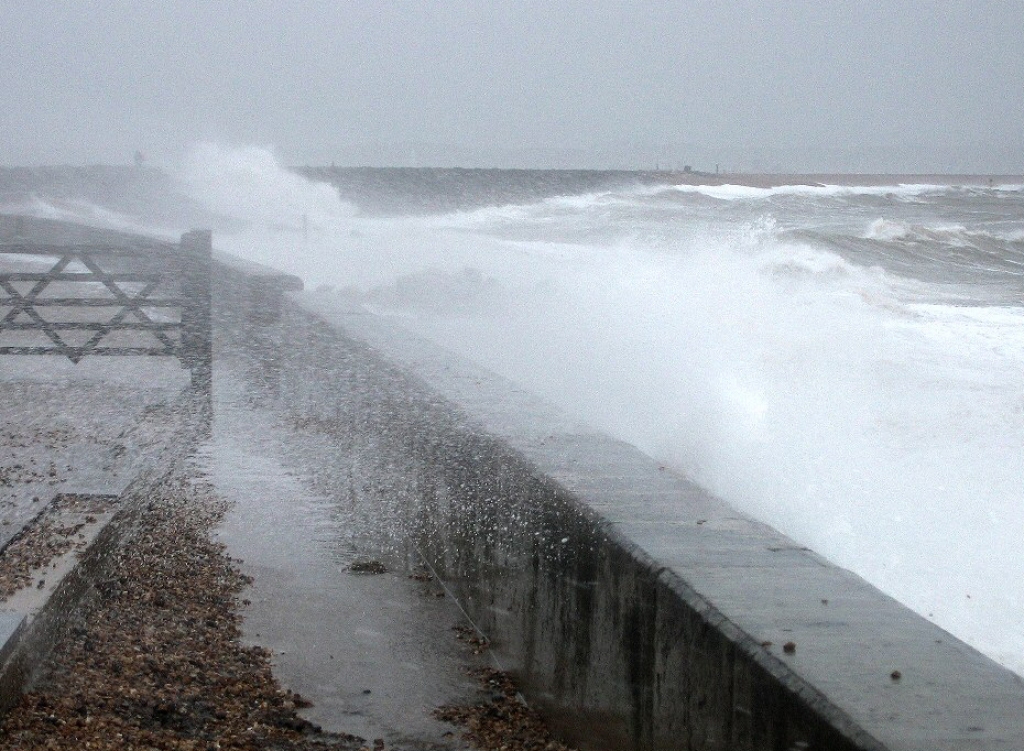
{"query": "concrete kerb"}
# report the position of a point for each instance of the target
(662, 625)
(36, 618)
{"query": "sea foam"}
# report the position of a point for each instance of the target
(796, 375)
(826, 397)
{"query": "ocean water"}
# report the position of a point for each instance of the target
(844, 363)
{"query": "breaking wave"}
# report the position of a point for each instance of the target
(847, 378)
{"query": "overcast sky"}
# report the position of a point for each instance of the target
(928, 83)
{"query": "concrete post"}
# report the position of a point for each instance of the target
(197, 334)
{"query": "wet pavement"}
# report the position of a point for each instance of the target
(376, 653)
(83, 429)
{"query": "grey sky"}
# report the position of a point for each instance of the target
(804, 84)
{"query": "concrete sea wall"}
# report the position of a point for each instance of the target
(636, 610)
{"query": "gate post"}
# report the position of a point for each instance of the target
(196, 333)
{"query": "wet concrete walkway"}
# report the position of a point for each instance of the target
(83, 429)
(375, 653)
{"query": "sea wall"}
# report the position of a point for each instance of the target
(635, 610)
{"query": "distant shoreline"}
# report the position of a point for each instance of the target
(17, 173)
(772, 180)
(394, 191)
(695, 177)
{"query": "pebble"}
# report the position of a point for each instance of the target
(503, 722)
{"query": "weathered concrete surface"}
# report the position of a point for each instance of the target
(375, 653)
(159, 436)
(10, 623)
(636, 610)
(84, 430)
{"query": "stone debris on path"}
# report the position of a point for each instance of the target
(76, 436)
(156, 661)
(56, 530)
(504, 722)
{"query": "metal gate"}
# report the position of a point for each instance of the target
(134, 298)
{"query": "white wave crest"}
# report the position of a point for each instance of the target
(805, 261)
(733, 192)
(957, 235)
(250, 184)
